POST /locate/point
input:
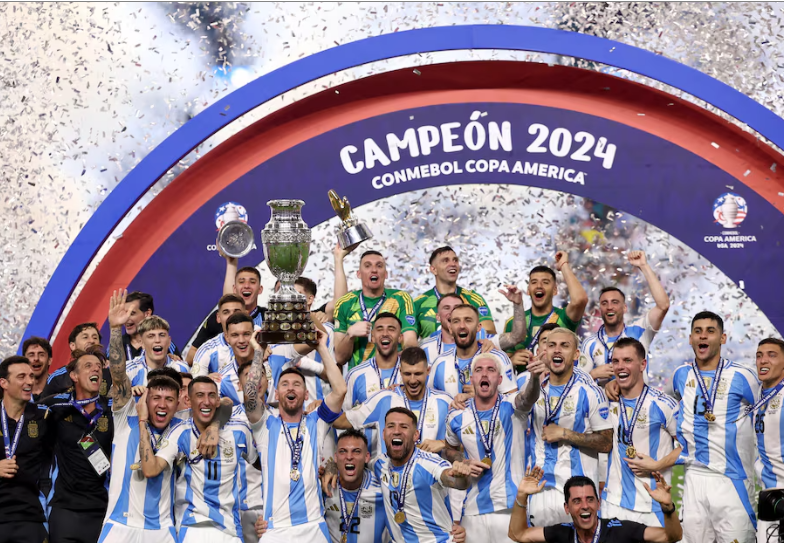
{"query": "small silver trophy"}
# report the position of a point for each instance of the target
(351, 232)
(287, 241)
(235, 237)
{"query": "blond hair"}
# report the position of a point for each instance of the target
(153, 322)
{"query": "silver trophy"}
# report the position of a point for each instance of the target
(351, 232)
(235, 237)
(287, 241)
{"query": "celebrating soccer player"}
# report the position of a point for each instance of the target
(215, 353)
(38, 352)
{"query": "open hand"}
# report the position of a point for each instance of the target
(118, 314)
(513, 294)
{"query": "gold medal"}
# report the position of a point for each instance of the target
(343, 538)
(400, 517)
(136, 466)
(709, 416)
(487, 461)
(631, 452)
(295, 475)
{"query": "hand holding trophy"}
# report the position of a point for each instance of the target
(351, 232)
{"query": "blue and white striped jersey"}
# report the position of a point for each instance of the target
(727, 445)
(134, 500)
(426, 502)
(251, 491)
(585, 409)
(363, 380)
(495, 490)
(653, 435)
(229, 387)
(368, 522)
(213, 355)
(207, 491)
(137, 369)
(435, 347)
(597, 348)
(311, 366)
(448, 372)
(771, 446)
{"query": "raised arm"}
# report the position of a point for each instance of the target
(334, 399)
(255, 385)
(661, 301)
(526, 399)
(578, 296)
(671, 532)
(118, 316)
(231, 271)
(508, 340)
(457, 476)
(520, 530)
(340, 287)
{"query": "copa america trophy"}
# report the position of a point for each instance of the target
(351, 232)
(235, 237)
(287, 240)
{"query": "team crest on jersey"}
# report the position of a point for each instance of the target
(366, 511)
(722, 388)
(103, 389)
(228, 452)
(603, 412)
(430, 418)
(483, 311)
(103, 424)
(396, 478)
(32, 429)
(486, 426)
(642, 417)
(774, 404)
(569, 405)
(410, 319)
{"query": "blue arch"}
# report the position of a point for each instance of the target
(225, 111)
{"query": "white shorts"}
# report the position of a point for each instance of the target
(716, 509)
(248, 521)
(311, 532)
(603, 471)
(205, 534)
(488, 528)
(114, 532)
(767, 531)
(546, 508)
(610, 510)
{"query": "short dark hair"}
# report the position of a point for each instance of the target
(447, 297)
(238, 318)
(10, 361)
(145, 301)
(577, 481)
(308, 285)
(440, 250)
(249, 269)
(201, 379)
(772, 341)
(464, 306)
(98, 351)
(241, 367)
(708, 315)
(547, 327)
(79, 328)
(403, 411)
(640, 350)
(185, 375)
(230, 298)
(357, 434)
(164, 381)
(413, 356)
(388, 315)
(370, 253)
(287, 371)
(542, 269)
(41, 342)
(612, 289)
(166, 371)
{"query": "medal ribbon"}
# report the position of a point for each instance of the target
(708, 396)
(399, 502)
(439, 296)
(128, 352)
(636, 410)
(750, 408)
(379, 373)
(11, 445)
(462, 377)
(596, 536)
(92, 420)
(421, 417)
(347, 519)
(487, 439)
(530, 327)
(197, 433)
(296, 444)
(369, 316)
(551, 415)
(602, 335)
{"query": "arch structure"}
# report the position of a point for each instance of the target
(671, 163)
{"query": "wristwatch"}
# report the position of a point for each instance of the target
(669, 511)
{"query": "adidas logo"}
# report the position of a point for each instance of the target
(469, 430)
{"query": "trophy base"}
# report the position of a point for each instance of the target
(288, 322)
(351, 237)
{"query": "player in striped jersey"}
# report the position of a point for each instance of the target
(356, 311)
(154, 332)
(292, 445)
(239, 333)
(717, 438)
(441, 340)
(216, 353)
(451, 372)
(490, 433)
(643, 440)
(768, 420)
(140, 306)
(598, 347)
(415, 484)
(569, 422)
(445, 267)
(206, 506)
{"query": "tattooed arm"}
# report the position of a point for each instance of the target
(121, 385)
(255, 385)
(600, 441)
(508, 340)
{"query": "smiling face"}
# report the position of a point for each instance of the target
(446, 305)
(562, 351)
(351, 457)
(486, 378)
(204, 401)
(135, 316)
(162, 405)
(291, 394)
(18, 385)
(464, 325)
(386, 334)
(582, 506)
(372, 272)
(39, 360)
(156, 346)
(415, 377)
(238, 336)
(627, 367)
(612, 308)
(706, 339)
(86, 338)
(542, 288)
(400, 433)
(247, 287)
(87, 375)
(227, 310)
(768, 360)
(446, 267)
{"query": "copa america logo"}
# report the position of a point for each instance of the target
(230, 211)
(730, 210)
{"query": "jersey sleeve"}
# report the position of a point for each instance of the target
(629, 531)
(433, 467)
(678, 380)
(348, 399)
(406, 312)
(671, 418)
(599, 413)
(453, 432)
(121, 415)
(246, 437)
(508, 374)
(648, 330)
(170, 447)
(227, 389)
(750, 386)
(374, 409)
(340, 313)
(201, 361)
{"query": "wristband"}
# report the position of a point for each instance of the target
(669, 511)
(519, 504)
